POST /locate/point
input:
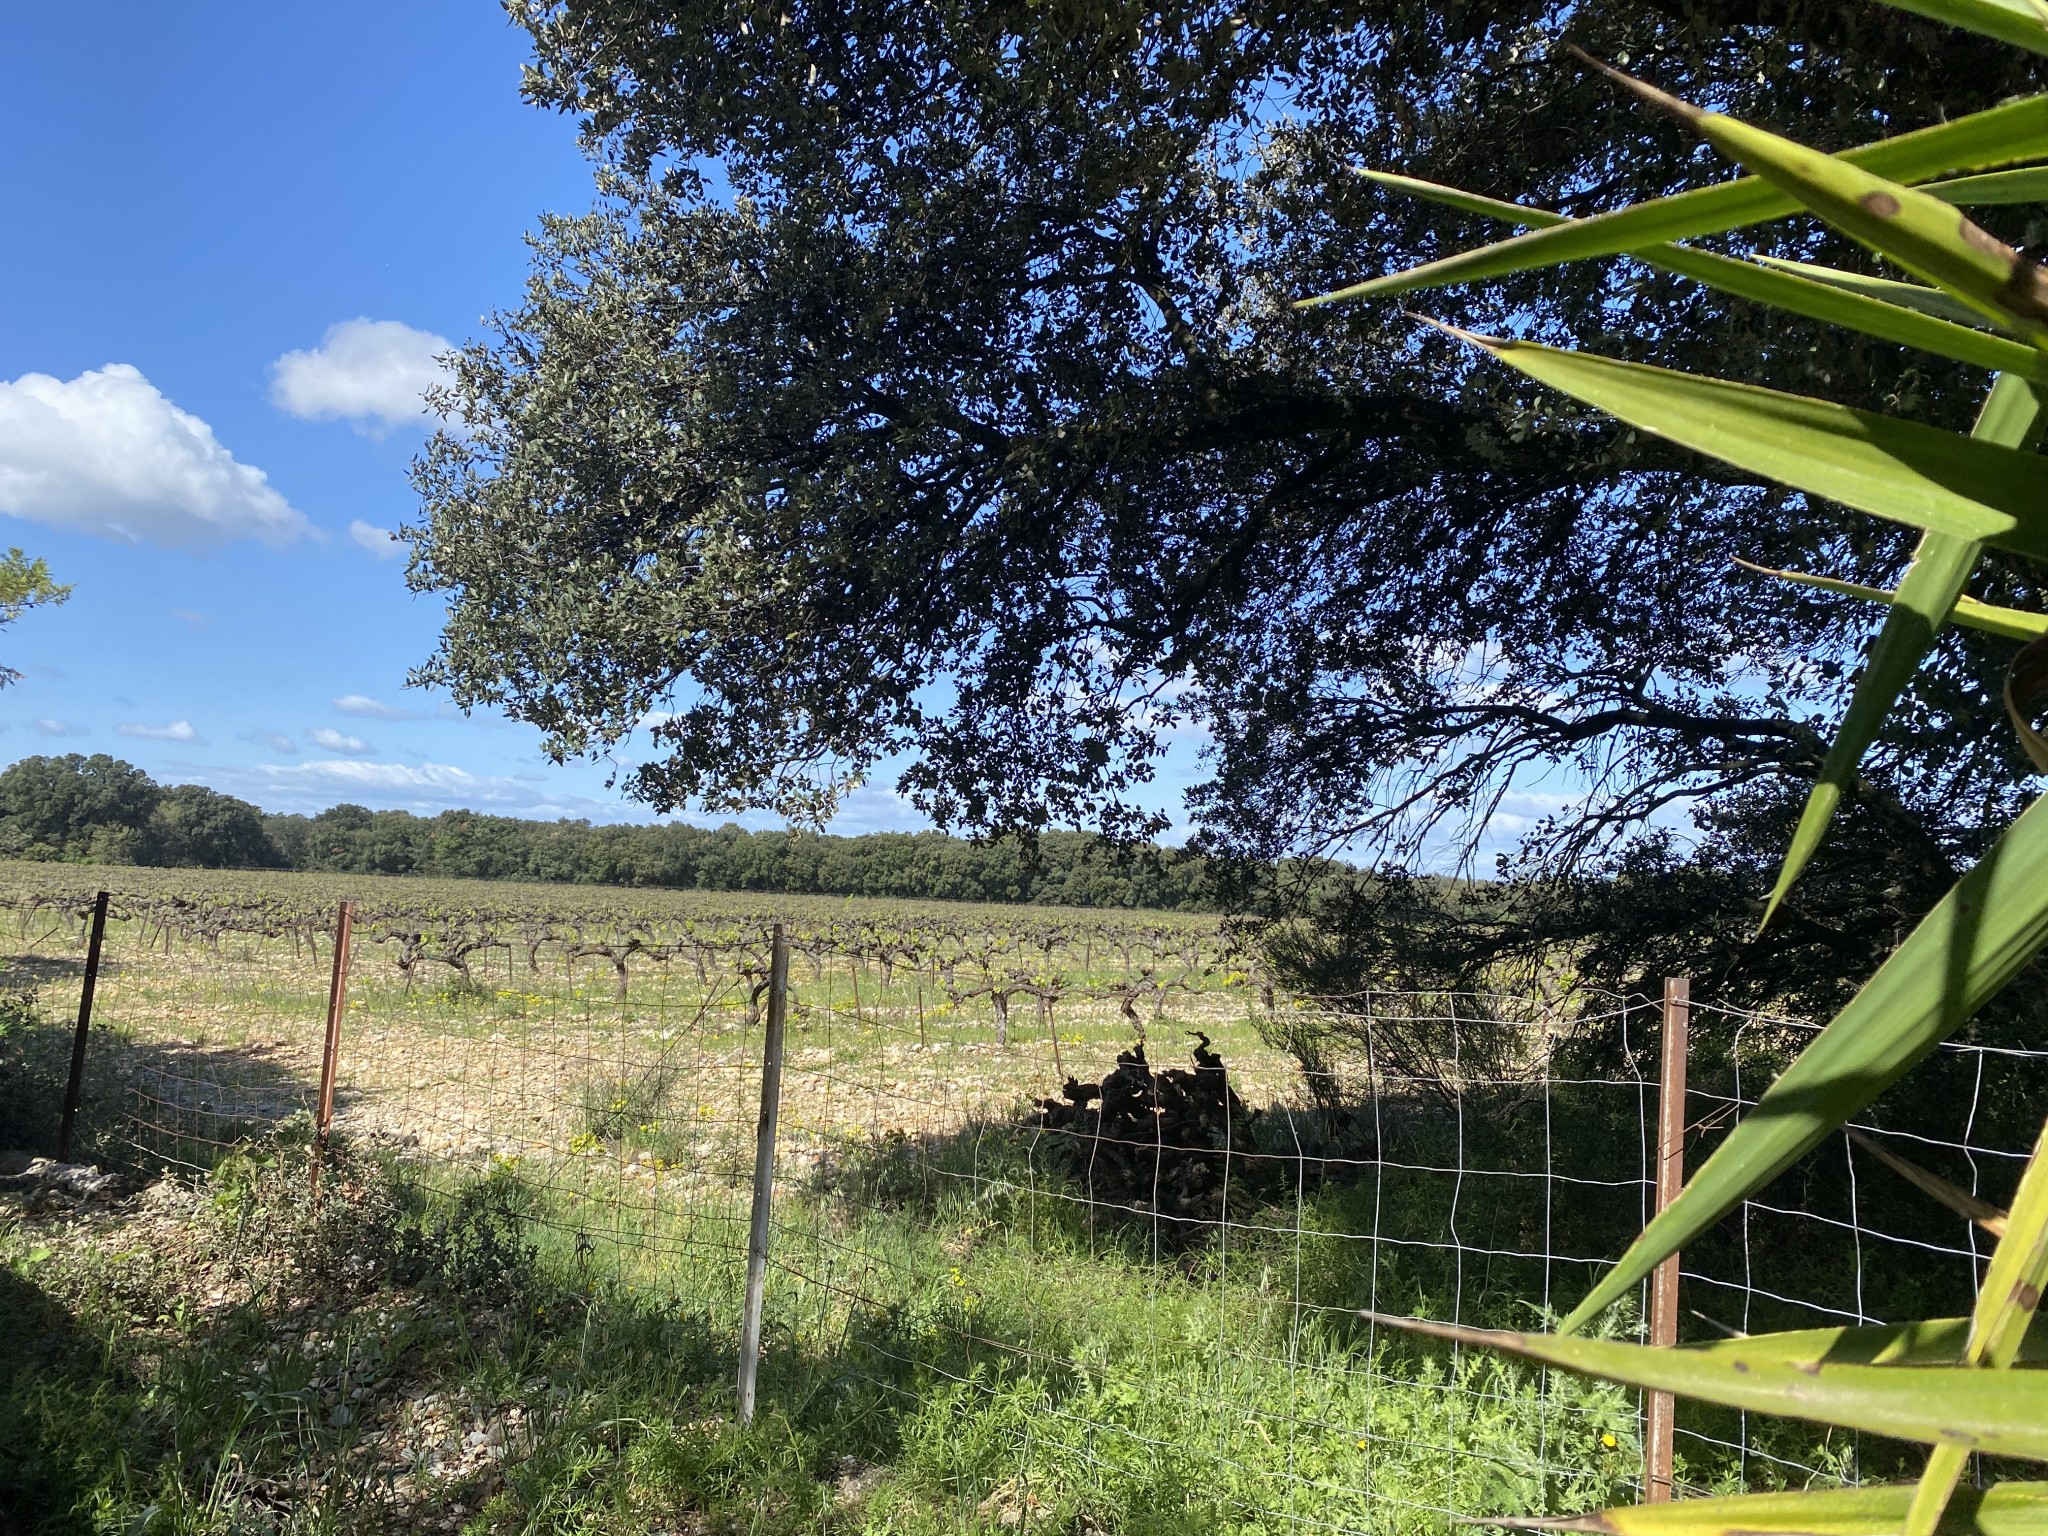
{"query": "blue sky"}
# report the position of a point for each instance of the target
(240, 232)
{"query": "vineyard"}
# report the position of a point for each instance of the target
(1064, 1233)
(451, 923)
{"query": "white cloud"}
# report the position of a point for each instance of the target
(177, 730)
(107, 454)
(372, 374)
(381, 542)
(192, 618)
(870, 808)
(48, 727)
(373, 709)
(335, 741)
(277, 741)
(425, 788)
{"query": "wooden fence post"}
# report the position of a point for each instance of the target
(764, 1171)
(1657, 1448)
(330, 1051)
(74, 1086)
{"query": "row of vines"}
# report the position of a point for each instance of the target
(997, 957)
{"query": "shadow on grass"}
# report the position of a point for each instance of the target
(957, 1350)
(28, 971)
(959, 1338)
(39, 1472)
(1496, 1208)
(145, 1107)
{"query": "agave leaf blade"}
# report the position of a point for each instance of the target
(2020, 24)
(2010, 1509)
(1785, 286)
(1525, 214)
(1903, 470)
(1937, 1485)
(1840, 305)
(1930, 1341)
(2011, 1291)
(1976, 939)
(1929, 301)
(2029, 184)
(1966, 1205)
(2001, 1413)
(1923, 234)
(2000, 136)
(2007, 623)
(1942, 564)
(2006, 1304)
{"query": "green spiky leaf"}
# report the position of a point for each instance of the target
(1890, 290)
(1976, 939)
(1942, 564)
(1923, 234)
(1785, 285)
(1931, 1341)
(1911, 473)
(2001, 1413)
(2006, 1305)
(1969, 612)
(2000, 136)
(2028, 184)
(2022, 23)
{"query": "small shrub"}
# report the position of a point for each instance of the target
(31, 1073)
(475, 1248)
(463, 991)
(618, 1109)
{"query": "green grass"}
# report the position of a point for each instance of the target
(993, 1365)
(955, 1342)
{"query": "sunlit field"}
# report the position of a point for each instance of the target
(513, 1303)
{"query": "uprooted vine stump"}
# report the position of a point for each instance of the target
(1169, 1147)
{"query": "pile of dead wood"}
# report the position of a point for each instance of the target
(1167, 1146)
(43, 1184)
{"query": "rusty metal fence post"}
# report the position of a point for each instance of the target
(74, 1086)
(764, 1171)
(1658, 1410)
(330, 1052)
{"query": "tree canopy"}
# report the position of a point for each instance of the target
(1065, 869)
(925, 386)
(101, 810)
(24, 584)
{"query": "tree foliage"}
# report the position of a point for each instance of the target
(24, 584)
(1064, 869)
(102, 810)
(923, 389)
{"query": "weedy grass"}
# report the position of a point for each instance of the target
(955, 1342)
(956, 1339)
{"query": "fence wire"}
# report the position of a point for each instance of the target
(1108, 1228)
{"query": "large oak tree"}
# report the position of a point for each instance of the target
(926, 384)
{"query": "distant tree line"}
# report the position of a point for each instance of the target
(100, 810)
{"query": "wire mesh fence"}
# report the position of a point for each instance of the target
(1110, 1227)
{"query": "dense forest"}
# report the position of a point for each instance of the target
(101, 810)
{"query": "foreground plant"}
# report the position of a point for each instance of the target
(1966, 296)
